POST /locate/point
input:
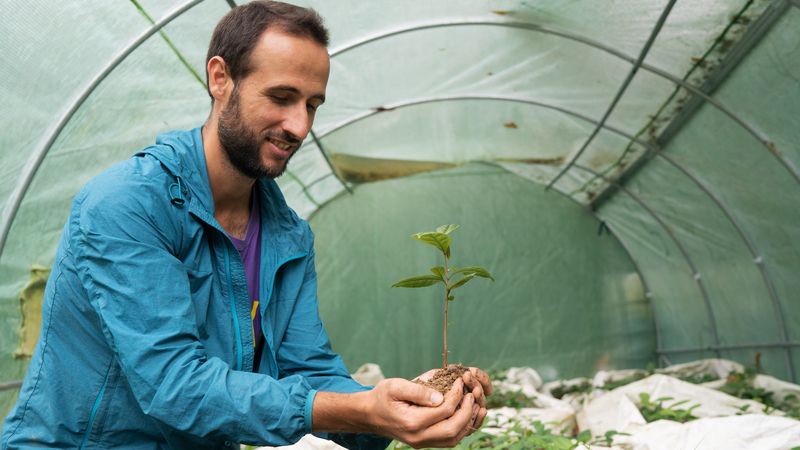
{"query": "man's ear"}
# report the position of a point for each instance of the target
(220, 83)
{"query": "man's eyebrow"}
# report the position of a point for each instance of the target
(292, 90)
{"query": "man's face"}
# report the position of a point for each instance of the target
(271, 110)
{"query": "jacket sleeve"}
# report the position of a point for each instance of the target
(306, 351)
(141, 294)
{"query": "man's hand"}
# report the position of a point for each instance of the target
(402, 410)
(477, 382)
(422, 417)
(479, 385)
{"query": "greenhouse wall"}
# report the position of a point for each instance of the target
(558, 303)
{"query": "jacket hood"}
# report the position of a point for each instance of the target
(181, 153)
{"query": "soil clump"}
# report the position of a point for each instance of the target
(443, 379)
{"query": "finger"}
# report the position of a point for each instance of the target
(427, 375)
(471, 425)
(452, 399)
(470, 381)
(407, 391)
(456, 388)
(477, 392)
(483, 379)
(478, 421)
(469, 429)
(448, 432)
(426, 417)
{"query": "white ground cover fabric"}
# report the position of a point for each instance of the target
(721, 424)
(618, 410)
(309, 442)
(748, 432)
(717, 367)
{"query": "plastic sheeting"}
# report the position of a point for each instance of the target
(420, 85)
(525, 237)
(746, 217)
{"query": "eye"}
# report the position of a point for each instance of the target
(312, 108)
(279, 99)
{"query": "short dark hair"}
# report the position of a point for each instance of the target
(238, 32)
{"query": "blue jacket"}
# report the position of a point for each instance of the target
(146, 335)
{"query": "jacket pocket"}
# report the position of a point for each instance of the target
(99, 409)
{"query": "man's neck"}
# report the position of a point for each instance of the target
(230, 189)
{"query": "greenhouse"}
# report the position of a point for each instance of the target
(628, 171)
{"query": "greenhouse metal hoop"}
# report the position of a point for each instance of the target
(10, 211)
(15, 200)
(655, 151)
(33, 164)
(696, 275)
(591, 43)
(752, 36)
(754, 252)
(694, 272)
(733, 347)
(620, 92)
(647, 292)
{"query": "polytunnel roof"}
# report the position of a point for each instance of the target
(611, 104)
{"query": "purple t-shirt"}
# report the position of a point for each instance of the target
(250, 251)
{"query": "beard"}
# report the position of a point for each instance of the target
(242, 145)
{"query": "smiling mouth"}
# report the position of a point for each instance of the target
(284, 149)
(281, 145)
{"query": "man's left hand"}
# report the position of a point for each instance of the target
(479, 384)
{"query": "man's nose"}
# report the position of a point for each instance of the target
(297, 121)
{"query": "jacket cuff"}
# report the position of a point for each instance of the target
(308, 408)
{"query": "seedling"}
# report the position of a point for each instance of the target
(451, 277)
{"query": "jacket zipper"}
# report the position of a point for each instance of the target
(237, 331)
(95, 407)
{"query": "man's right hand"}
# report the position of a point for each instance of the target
(421, 416)
(402, 410)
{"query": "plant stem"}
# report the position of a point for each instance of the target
(446, 302)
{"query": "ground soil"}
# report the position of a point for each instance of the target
(443, 379)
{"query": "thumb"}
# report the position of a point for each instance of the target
(417, 394)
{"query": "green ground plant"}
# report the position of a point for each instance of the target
(742, 385)
(511, 399)
(518, 437)
(635, 376)
(653, 410)
(608, 438)
(698, 378)
(563, 389)
(450, 277)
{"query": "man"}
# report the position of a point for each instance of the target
(148, 340)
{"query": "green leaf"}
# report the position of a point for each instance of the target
(584, 436)
(679, 403)
(438, 271)
(462, 281)
(436, 239)
(447, 229)
(476, 271)
(418, 281)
